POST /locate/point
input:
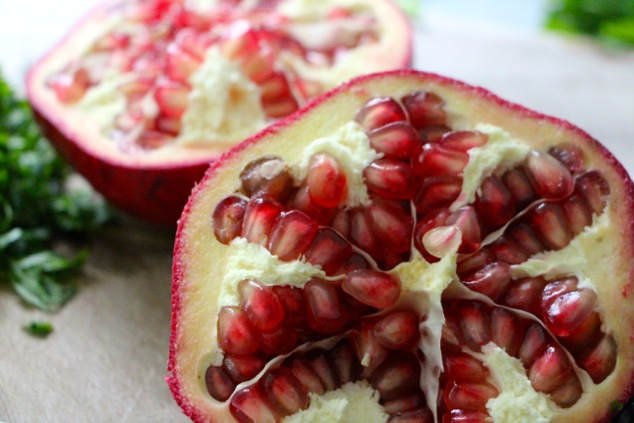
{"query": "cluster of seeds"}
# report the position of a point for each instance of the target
(161, 43)
(540, 204)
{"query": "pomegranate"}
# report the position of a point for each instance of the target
(458, 259)
(143, 94)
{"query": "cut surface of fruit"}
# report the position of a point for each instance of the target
(492, 283)
(142, 95)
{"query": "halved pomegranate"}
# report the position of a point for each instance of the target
(143, 94)
(458, 258)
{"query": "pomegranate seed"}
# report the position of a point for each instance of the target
(390, 178)
(190, 40)
(292, 234)
(227, 218)
(341, 222)
(242, 367)
(549, 370)
(250, 405)
(235, 333)
(466, 416)
(112, 41)
(424, 109)
(259, 218)
(303, 202)
(70, 86)
(323, 369)
(508, 251)
(570, 310)
(327, 184)
(451, 337)
(305, 374)
(437, 192)
(474, 323)
(328, 250)
(179, 64)
(372, 287)
(470, 263)
(600, 362)
(171, 98)
(431, 220)
(520, 187)
(556, 288)
(550, 179)
(494, 203)
(293, 303)
(368, 349)
(361, 232)
(468, 395)
(523, 236)
(578, 213)
(279, 340)
(136, 88)
(325, 314)
(570, 156)
(391, 226)
(490, 280)
(395, 140)
(168, 125)
(274, 87)
(354, 262)
(533, 345)
(567, 393)
(525, 294)
(396, 376)
(280, 107)
(380, 111)
(410, 402)
(345, 363)
(436, 160)
(464, 367)
(463, 140)
(432, 133)
(268, 176)
(218, 383)
(285, 391)
(594, 189)
(549, 223)
(466, 219)
(398, 330)
(261, 305)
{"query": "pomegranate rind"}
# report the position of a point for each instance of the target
(195, 285)
(155, 185)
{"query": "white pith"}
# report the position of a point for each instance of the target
(545, 134)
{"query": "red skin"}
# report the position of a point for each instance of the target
(357, 84)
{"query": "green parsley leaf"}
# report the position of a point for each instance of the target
(38, 329)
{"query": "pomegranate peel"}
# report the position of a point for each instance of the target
(501, 294)
(140, 96)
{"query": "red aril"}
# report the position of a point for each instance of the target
(142, 95)
(494, 295)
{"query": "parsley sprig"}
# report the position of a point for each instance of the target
(37, 209)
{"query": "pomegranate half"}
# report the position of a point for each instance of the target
(143, 94)
(407, 248)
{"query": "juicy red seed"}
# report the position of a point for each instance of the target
(280, 107)
(355, 262)
(285, 391)
(267, 176)
(522, 235)
(341, 222)
(323, 369)
(437, 192)
(550, 179)
(227, 218)
(344, 362)
(466, 416)
(520, 187)
(361, 232)
(242, 367)
(179, 65)
(525, 294)
(171, 98)
(261, 305)
(494, 203)
(490, 280)
(368, 349)
(390, 178)
(508, 251)
(324, 311)
(567, 393)
(600, 362)
(468, 395)
(274, 87)
(426, 223)
(259, 218)
(70, 87)
(549, 370)
(594, 189)
(250, 405)
(463, 140)
(278, 341)
(395, 140)
(432, 133)
(168, 125)
(475, 325)
(292, 234)
(556, 288)
(436, 160)
(293, 303)
(328, 250)
(578, 213)
(464, 367)
(302, 201)
(548, 221)
(236, 335)
(380, 111)
(218, 383)
(424, 109)
(569, 311)
(533, 345)
(398, 330)
(326, 181)
(305, 374)
(451, 337)
(397, 375)
(372, 287)
(570, 156)
(466, 219)
(468, 264)
(391, 226)
(409, 402)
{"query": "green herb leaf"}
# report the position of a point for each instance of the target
(38, 329)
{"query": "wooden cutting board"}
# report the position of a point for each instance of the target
(106, 359)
